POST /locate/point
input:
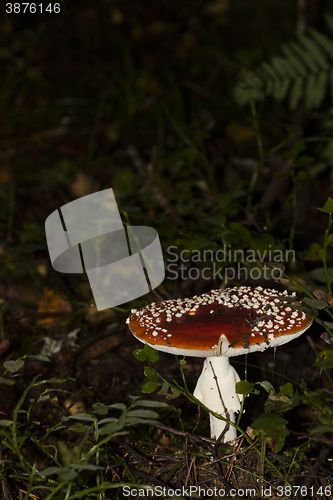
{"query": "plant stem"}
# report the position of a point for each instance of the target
(259, 144)
(327, 232)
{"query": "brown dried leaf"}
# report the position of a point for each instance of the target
(321, 295)
(93, 315)
(55, 304)
(83, 185)
(4, 344)
(5, 175)
(21, 294)
(326, 338)
(98, 348)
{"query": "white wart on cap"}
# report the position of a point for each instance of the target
(230, 322)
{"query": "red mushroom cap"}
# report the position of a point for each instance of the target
(229, 322)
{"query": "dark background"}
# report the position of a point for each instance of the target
(139, 96)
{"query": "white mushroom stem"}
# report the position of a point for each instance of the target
(219, 394)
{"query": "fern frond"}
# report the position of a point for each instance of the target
(303, 71)
(323, 40)
(296, 93)
(329, 20)
(314, 51)
(331, 83)
(298, 65)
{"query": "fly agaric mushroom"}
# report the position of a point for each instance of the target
(217, 325)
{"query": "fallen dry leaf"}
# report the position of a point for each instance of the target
(97, 348)
(4, 344)
(83, 185)
(55, 304)
(93, 315)
(5, 175)
(21, 294)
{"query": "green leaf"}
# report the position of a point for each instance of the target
(110, 429)
(6, 423)
(52, 380)
(315, 252)
(118, 406)
(322, 429)
(315, 53)
(295, 62)
(328, 207)
(100, 409)
(164, 389)
(311, 91)
(295, 93)
(149, 387)
(281, 89)
(329, 20)
(174, 393)
(244, 387)
(137, 420)
(67, 475)
(83, 416)
(319, 275)
(327, 357)
(140, 354)
(49, 471)
(328, 324)
(86, 467)
(270, 428)
(286, 389)
(142, 414)
(108, 420)
(316, 304)
(150, 404)
(330, 240)
(279, 63)
(267, 386)
(7, 381)
(324, 41)
(37, 356)
(322, 82)
(153, 355)
(150, 373)
(13, 366)
(302, 54)
(83, 428)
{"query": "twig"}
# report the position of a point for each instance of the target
(226, 412)
(262, 471)
(177, 432)
(315, 469)
(189, 471)
(198, 419)
(147, 477)
(77, 397)
(234, 454)
(131, 450)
